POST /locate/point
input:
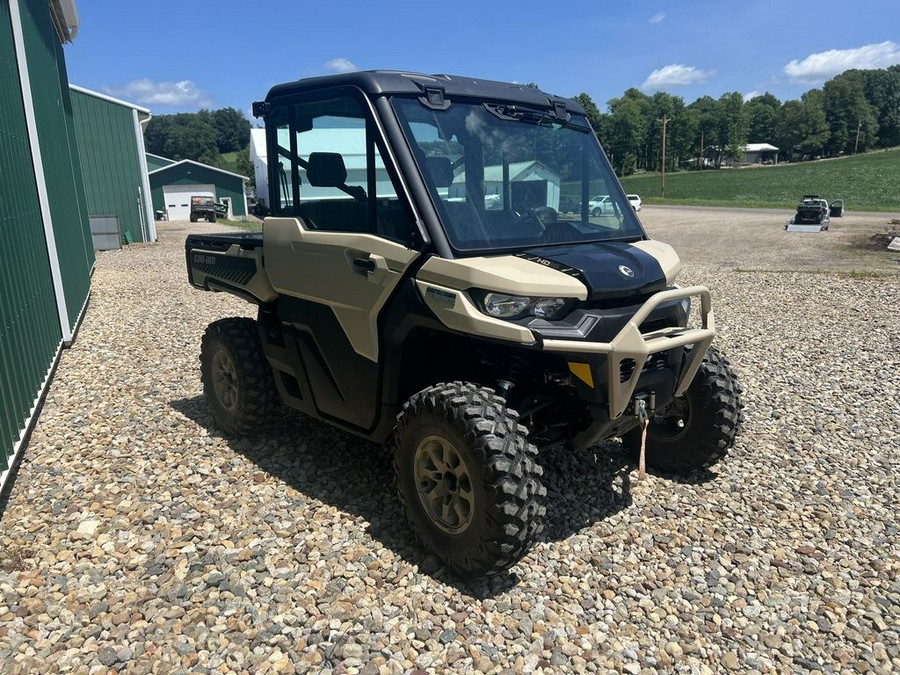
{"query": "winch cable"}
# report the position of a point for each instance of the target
(645, 422)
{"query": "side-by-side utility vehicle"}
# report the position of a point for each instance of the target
(418, 283)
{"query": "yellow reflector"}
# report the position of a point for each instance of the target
(583, 372)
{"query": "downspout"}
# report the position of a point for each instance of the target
(145, 178)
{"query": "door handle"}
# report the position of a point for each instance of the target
(363, 265)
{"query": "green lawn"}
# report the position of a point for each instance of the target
(866, 182)
(228, 161)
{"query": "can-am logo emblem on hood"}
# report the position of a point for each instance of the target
(626, 271)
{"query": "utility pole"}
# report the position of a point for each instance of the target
(665, 121)
(700, 161)
(858, 127)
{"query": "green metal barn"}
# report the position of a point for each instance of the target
(111, 147)
(46, 256)
(172, 186)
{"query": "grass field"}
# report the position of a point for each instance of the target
(866, 182)
(228, 161)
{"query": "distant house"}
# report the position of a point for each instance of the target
(760, 153)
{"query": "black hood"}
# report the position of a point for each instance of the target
(612, 269)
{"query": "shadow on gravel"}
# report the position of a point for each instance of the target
(357, 477)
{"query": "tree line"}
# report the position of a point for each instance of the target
(855, 111)
(203, 137)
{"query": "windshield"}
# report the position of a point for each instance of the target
(506, 176)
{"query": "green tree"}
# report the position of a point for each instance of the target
(681, 128)
(848, 113)
(731, 126)
(245, 166)
(882, 90)
(813, 125)
(705, 111)
(629, 120)
(789, 130)
(232, 129)
(191, 136)
(762, 115)
(593, 112)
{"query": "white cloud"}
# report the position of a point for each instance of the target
(674, 75)
(341, 65)
(657, 18)
(824, 65)
(751, 94)
(148, 92)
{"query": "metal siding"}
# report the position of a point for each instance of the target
(110, 161)
(52, 108)
(30, 333)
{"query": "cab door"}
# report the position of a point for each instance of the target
(336, 251)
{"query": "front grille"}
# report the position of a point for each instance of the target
(654, 362)
(616, 302)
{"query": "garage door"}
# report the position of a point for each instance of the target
(178, 199)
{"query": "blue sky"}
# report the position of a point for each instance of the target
(180, 56)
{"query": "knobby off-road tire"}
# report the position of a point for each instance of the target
(711, 414)
(237, 379)
(468, 478)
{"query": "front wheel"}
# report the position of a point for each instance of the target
(468, 478)
(697, 429)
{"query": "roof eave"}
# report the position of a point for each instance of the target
(65, 19)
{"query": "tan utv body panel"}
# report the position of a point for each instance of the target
(503, 274)
(455, 310)
(665, 255)
(442, 284)
(259, 286)
(317, 265)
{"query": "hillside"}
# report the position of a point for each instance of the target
(866, 182)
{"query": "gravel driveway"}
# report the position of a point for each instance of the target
(136, 538)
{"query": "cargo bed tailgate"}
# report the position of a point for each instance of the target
(229, 262)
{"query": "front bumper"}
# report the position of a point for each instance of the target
(629, 344)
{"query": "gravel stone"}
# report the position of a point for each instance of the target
(137, 537)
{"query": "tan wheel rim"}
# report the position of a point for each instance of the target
(224, 376)
(444, 484)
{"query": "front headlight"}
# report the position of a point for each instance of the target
(546, 308)
(505, 306)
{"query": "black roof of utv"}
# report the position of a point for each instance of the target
(380, 82)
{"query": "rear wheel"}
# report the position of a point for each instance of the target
(468, 479)
(237, 379)
(211, 218)
(698, 428)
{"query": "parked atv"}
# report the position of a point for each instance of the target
(398, 303)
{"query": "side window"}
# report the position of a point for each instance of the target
(330, 170)
(283, 167)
